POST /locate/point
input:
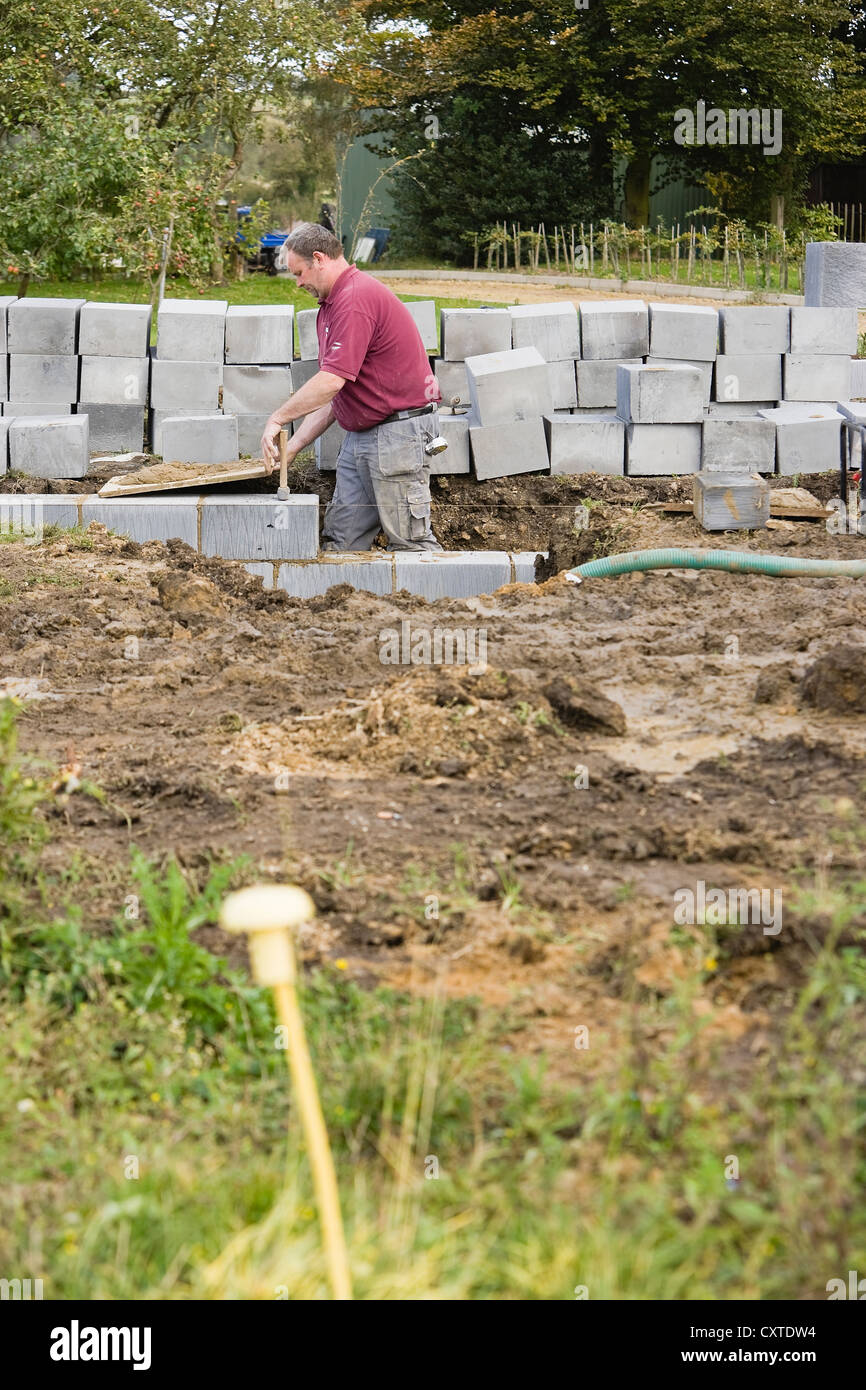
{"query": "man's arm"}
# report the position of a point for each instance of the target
(311, 400)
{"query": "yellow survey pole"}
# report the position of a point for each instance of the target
(268, 913)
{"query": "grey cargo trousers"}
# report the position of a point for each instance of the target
(383, 480)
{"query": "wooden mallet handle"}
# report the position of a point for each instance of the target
(284, 461)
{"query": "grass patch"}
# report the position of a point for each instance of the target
(154, 1150)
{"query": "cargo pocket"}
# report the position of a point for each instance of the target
(400, 448)
(418, 497)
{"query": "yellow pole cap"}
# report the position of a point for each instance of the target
(267, 912)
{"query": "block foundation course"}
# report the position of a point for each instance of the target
(259, 527)
(446, 574)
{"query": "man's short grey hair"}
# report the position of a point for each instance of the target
(310, 237)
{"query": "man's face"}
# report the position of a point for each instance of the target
(309, 275)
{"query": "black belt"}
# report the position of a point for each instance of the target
(408, 414)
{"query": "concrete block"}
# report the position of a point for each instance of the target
(855, 411)
(733, 445)
(615, 328)
(114, 428)
(328, 446)
(185, 385)
(303, 371)
(308, 337)
(500, 451)
(27, 514)
(554, 329)
(31, 408)
(200, 439)
(148, 517)
(731, 501)
(43, 377)
(260, 333)
(748, 377)
(824, 331)
(737, 410)
(453, 381)
(583, 444)
(156, 420)
(683, 332)
(44, 327)
(749, 330)
(4, 446)
(191, 330)
(263, 570)
(250, 431)
(46, 447)
(858, 379)
(115, 380)
(524, 565)
(423, 312)
(705, 369)
(835, 274)
(596, 382)
(508, 386)
(815, 377)
(808, 438)
(4, 377)
(251, 390)
(253, 526)
(662, 451)
(373, 574)
(435, 575)
(474, 332)
(563, 384)
(114, 330)
(5, 301)
(456, 458)
(650, 395)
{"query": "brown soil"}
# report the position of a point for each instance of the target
(246, 722)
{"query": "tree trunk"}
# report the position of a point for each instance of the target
(777, 210)
(637, 187)
(23, 284)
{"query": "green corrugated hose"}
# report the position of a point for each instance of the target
(735, 561)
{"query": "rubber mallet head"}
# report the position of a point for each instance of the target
(267, 913)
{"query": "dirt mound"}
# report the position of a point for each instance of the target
(837, 681)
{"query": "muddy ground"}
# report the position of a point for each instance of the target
(624, 739)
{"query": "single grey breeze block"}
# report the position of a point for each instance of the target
(554, 329)
(585, 444)
(435, 575)
(114, 330)
(185, 386)
(191, 330)
(45, 447)
(753, 330)
(816, 377)
(43, 377)
(373, 575)
(733, 445)
(662, 451)
(615, 328)
(328, 446)
(508, 386)
(307, 335)
(835, 274)
(43, 326)
(831, 332)
(147, 517)
(501, 451)
(808, 438)
(115, 380)
(260, 333)
(114, 428)
(474, 332)
(683, 332)
(748, 377)
(731, 501)
(596, 382)
(456, 458)
(652, 395)
(250, 390)
(423, 312)
(203, 439)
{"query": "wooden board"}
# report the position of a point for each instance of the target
(165, 477)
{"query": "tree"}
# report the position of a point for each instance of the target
(184, 85)
(618, 72)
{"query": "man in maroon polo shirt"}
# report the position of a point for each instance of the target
(374, 379)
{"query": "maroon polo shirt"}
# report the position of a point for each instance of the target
(369, 338)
